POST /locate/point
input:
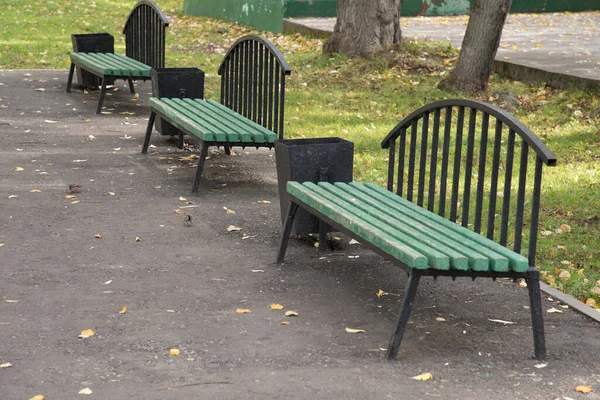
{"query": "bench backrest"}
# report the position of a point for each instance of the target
(471, 163)
(253, 81)
(144, 32)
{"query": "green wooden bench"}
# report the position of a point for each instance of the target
(144, 47)
(251, 109)
(453, 207)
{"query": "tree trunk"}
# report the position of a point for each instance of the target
(365, 27)
(479, 46)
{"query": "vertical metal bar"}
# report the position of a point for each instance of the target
(535, 211)
(277, 98)
(265, 86)
(282, 104)
(287, 229)
(270, 88)
(401, 162)
(481, 171)
(246, 78)
(423, 158)
(254, 86)
(445, 160)
(411, 161)
(233, 59)
(521, 196)
(532, 277)
(457, 160)
(260, 100)
(510, 153)
(494, 184)
(433, 166)
(469, 168)
(391, 164)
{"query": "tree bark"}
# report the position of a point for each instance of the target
(364, 27)
(479, 46)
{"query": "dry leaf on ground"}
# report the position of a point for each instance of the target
(264, 202)
(85, 391)
(276, 306)
(11, 301)
(440, 319)
(291, 314)
(501, 321)
(284, 323)
(35, 191)
(351, 330)
(19, 169)
(174, 352)
(584, 389)
(423, 377)
(6, 365)
(233, 228)
(553, 310)
(379, 293)
(242, 311)
(38, 397)
(137, 239)
(123, 310)
(87, 333)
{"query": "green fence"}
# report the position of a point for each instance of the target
(268, 15)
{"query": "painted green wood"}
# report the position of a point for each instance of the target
(211, 121)
(109, 64)
(517, 262)
(405, 222)
(363, 230)
(267, 135)
(421, 243)
(423, 225)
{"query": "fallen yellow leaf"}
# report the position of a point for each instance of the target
(440, 319)
(565, 228)
(11, 301)
(584, 389)
(35, 191)
(177, 211)
(1, 244)
(232, 228)
(98, 236)
(18, 169)
(123, 310)
(137, 239)
(182, 198)
(291, 314)
(49, 121)
(284, 323)
(87, 333)
(423, 377)
(70, 196)
(228, 211)
(174, 352)
(242, 311)
(351, 330)
(379, 293)
(591, 302)
(264, 202)
(111, 193)
(6, 365)
(276, 306)
(38, 397)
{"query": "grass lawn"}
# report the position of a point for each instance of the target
(361, 101)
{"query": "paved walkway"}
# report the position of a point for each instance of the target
(557, 43)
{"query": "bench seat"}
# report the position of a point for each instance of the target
(110, 64)
(412, 235)
(211, 121)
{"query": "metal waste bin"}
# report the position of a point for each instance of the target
(314, 160)
(92, 43)
(180, 83)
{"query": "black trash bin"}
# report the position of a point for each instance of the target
(180, 83)
(92, 43)
(314, 160)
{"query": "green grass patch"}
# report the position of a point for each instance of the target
(361, 101)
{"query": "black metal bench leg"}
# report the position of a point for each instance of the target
(70, 80)
(200, 168)
(227, 149)
(322, 236)
(148, 132)
(131, 88)
(532, 277)
(407, 301)
(287, 229)
(101, 96)
(180, 140)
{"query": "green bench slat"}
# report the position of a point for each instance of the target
(478, 256)
(422, 245)
(110, 64)
(211, 121)
(458, 253)
(517, 262)
(175, 114)
(365, 231)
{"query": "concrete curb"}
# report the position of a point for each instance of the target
(572, 302)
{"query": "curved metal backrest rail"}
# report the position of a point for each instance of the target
(457, 158)
(145, 32)
(253, 81)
